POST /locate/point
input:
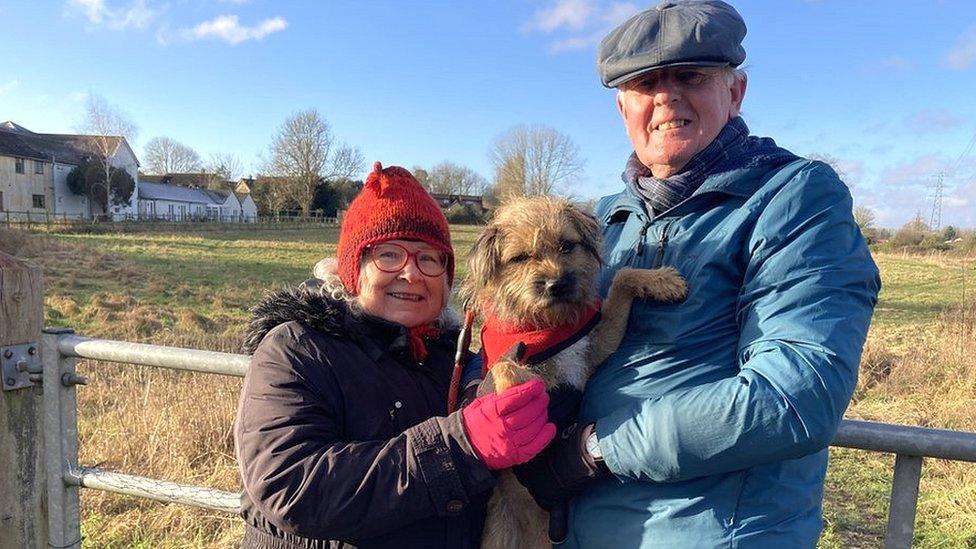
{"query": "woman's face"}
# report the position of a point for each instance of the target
(406, 296)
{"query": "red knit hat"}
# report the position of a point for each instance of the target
(391, 206)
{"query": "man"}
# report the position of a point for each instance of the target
(709, 426)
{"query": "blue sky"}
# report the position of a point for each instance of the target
(887, 88)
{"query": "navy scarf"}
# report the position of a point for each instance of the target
(733, 148)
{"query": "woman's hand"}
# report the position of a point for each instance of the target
(509, 428)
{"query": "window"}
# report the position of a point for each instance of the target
(19, 165)
(38, 200)
(1, 201)
(38, 166)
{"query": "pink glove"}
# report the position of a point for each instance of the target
(509, 428)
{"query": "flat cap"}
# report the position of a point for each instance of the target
(690, 32)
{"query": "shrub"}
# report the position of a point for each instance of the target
(465, 215)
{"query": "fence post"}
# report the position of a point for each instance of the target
(61, 441)
(23, 517)
(903, 502)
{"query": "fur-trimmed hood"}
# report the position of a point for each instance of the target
(320, 304)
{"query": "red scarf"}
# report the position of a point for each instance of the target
(417, 335)
(497, 337)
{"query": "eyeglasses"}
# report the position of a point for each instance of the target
(686, 77)
(392, 258)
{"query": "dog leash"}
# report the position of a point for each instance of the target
(463, 350)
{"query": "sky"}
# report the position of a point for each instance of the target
(885, 88)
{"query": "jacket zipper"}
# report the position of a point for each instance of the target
(662, 243)
(641, 237)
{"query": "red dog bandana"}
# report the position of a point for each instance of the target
(497, 337)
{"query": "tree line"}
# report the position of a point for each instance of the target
(308, 168)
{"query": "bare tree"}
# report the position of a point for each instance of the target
(165, 155)
(105, 126)
(304, 151)
(223, 169)
(864, 217)
(835, 163)
(534, 160)
(422, 176)
(272, 195)
(451, 178)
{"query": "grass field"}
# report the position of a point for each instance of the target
(195, 290)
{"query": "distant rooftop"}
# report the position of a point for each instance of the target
(16, 140)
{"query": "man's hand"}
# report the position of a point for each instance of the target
(563, 469)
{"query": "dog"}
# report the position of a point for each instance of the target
(533, 276)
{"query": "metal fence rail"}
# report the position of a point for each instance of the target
(155, 489)
(175, 358)
(909, 444)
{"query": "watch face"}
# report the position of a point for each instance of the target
(593, 446)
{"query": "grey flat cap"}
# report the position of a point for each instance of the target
(690, 32)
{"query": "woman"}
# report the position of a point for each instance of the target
(342, 431)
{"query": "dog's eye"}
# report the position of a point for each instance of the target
(521, 258)
(567, 247)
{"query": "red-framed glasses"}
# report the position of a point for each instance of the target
(391, 258)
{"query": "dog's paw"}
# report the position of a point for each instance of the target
(508, 373)
(663, 284)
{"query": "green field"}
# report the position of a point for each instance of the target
(195, 290)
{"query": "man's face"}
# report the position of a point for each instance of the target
(673, 113)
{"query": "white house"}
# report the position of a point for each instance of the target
(249, 210)
(170, 202)
(34, 168)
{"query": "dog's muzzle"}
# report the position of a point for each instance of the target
(557, 288)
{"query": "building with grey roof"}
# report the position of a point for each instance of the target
(34, 168)
(169, 202)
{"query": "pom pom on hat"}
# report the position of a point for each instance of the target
(392, 206)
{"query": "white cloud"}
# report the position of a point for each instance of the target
(572, 14)
(917, 173)
(228, 29)
(963, 52)
(136, 14)
(955, 202)
(619, 12)
(583, 22)
(897, 63)
(853, 168)
(9, 86)
(934, 121)
(94, 10)
(576, 42)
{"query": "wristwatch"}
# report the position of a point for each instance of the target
(593, 447)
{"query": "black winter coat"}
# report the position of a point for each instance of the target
(342, 439)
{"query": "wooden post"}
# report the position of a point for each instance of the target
(23, 517)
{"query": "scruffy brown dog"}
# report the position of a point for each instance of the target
(533, 276)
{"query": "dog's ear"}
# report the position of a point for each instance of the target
(484, 260)
(589, 231)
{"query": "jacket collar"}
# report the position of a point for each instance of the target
(741, 182)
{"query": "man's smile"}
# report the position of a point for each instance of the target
(672, 124)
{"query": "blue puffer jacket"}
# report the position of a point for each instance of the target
(715, 414)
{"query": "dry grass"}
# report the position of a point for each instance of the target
(190, 291)
(933, 384)
(145, 421)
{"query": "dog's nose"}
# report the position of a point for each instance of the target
(558, 287)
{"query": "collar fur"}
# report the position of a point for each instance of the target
(325, 306)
